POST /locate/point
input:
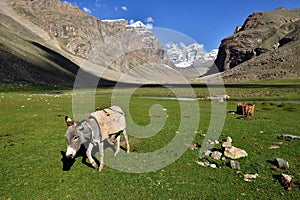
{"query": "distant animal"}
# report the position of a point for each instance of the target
(95, 129)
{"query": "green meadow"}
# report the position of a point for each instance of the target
(32, 142)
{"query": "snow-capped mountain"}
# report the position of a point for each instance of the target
(145, 34)
(186, 55)
(191, 59)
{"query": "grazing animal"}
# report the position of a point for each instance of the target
(97, 127)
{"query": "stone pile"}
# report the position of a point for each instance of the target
(227, 150)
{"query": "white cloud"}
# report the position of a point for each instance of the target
(149, 26)
(116, 8)
(87, 10)
(124, 8)
(74, 3)
(150, 20)
(98, 5)
(131, 21)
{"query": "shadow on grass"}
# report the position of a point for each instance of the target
(69, 162)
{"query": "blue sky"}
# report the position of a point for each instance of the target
(207, 22)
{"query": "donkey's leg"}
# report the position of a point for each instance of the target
(118, 144)
(126, 140)
(89, 155)
(101, 155)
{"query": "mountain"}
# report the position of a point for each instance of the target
(192, 60)
(184, 55)
(48, 41)
(266, 46)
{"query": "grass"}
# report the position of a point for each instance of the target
(32, 139)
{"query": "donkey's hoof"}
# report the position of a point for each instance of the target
(94, 164)
(116, 153)
(101, 167)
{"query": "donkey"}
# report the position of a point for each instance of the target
(95, 129)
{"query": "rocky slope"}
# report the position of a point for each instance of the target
(47, 41)
(266, 46)
(261, 32)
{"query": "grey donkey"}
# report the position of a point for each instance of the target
(97, 127)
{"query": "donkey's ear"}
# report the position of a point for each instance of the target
(69, 121)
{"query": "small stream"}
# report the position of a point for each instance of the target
(197, 99)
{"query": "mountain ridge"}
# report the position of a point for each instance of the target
(266, 46)
(49, 42)
(41, 47)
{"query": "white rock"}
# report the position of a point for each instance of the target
(287, 178)
(216, 155)
(247, 177)
(235, 153)
(227, 143)
(207, 153)
(213, 166)
(282, 163)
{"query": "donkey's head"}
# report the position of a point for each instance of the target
(74, 135)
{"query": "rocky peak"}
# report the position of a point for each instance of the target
(262, 32)
(261, 20)
(184, 55)
(76, 31)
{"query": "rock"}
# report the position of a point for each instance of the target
(213, 166)
(247, 177)
(287, 178)
(207, 153)
(289, 136)
(287, 181)
(281, 163)
(216, 155)
(194, 146)
(274, 147)
(227, 143)
(235, 153)
(212, 141)
(235, 164)
(204, 164)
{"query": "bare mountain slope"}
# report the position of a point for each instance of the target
(266, 46)
(48, 41)
(25, 57)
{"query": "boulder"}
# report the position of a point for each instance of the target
(235, 164)
(227, 144)
(207, 153)
(234, 152)
(287, 181)
(216, 155)
(281, 163)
